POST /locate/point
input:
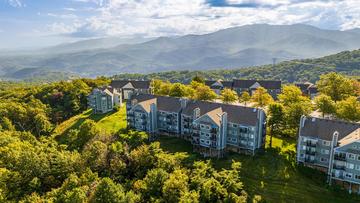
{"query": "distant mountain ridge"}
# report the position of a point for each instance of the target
(249, 45)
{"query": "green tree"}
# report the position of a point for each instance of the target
(245, 97)
(349, 109)
(228, 96)
(335, 85)
(261, 97)
(87, 131)
(6, 124)
(177, 90)
(108, 192)
(325, 104)
(190, 197)
(165, 88)
(175, 185)
(275, 119)
(198, 79)
(290, 95)
(95, 155)
(204, 93)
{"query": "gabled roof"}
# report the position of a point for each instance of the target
(352, 137)
(214, 115)
(267, 84)
(213, 83)
(236, 114)
(164, 103)
(324, 128)
(137, 84)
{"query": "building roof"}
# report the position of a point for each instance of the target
(223, 84)
(267, 84)
(324, 128)
(236, 114)
(352, 137)
(303, 86)
(164, 103)
(137, 84)
(215, 115)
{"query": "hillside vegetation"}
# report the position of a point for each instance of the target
(347, 62)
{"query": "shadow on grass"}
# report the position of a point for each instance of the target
(61, 138)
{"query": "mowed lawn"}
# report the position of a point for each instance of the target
(272, 174)
(109, 123)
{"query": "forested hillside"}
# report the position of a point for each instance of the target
(347, 62)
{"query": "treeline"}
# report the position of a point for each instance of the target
(347, 63)
(90, 165)
(338, 98)
(118, 168)
(38, 107)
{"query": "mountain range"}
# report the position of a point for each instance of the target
(249, 45)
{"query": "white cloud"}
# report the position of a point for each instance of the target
(15, 3)
(178, 17)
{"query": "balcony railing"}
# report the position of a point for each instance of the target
(338, 167)
(308, 160)
(339, 157)
(310, 144)
(310, 152)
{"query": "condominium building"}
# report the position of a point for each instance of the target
(129, 87)
(103, 100)
(213, 128)
(333, 147)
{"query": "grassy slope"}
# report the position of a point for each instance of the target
(110, 123)
(272, 174)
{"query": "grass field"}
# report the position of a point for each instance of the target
(109, 123)
(272, 174)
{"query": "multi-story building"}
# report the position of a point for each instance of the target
(218, 85)
(103, 100)
(129, 87)
(331, 146)
(308, 89)
(273, 87)
(213, 128)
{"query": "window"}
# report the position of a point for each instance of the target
(233, 139)
(358, 157)
(304, 139)
(326, 143)
(348, 175)
(235, 125)
(302, 155)
(324, 151)
(250, 143)
(303, 147)
(323, 159)
(207, 135)
(202, 140)
(357, 167)
(357, 177)
(208, 127)
(351, 156)
(251, 136)
(349, 165)
(207, 142)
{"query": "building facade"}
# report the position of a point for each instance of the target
(212, 128)
(103, 100)
(129, 87)
(333, 147)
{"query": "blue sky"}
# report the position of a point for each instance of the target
(38, 23)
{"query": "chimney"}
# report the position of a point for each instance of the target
(196, 113)
(183, 102)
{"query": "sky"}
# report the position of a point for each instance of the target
(39, 23)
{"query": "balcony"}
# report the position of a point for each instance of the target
(339, 157)
(308, 160)
(338, 167)
(310, 152)
(310, 144)
(214, 130)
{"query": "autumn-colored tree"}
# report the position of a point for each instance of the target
(245, 97)
(325, 104)
(335, 85)
(228, 96)
(261, 97)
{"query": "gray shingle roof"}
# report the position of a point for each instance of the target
(135, 83)
(225, 84)
(236, 114)
(267, 84)
(325, 128)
